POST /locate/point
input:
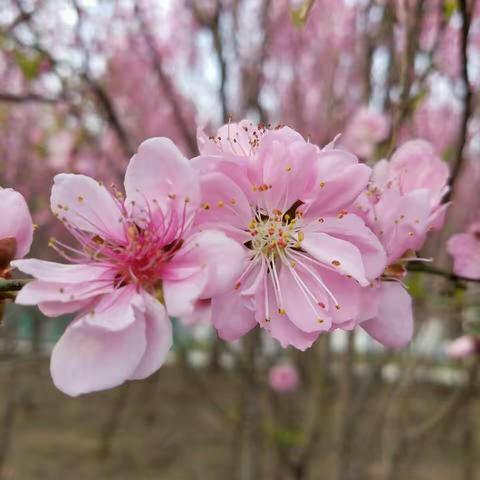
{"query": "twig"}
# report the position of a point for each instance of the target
(419, 267)
(12, 285)
(249, 454)
(27, 98)
(468, 99)
(112, 423)
(164, 80)
(9, 414)
(408, 60)
(344, 458)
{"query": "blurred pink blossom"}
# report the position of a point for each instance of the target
(134, 251)
(283, 378)
(364, 132)
(465, 250)
(463, 347)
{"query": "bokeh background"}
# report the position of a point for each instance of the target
(83, 82)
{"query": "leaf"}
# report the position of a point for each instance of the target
(449, 8)
(28, 64)
(300, 14)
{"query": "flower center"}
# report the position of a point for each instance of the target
(143, 259)
(271, 234)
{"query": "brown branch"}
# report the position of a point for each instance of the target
(102, 96)
(164, 80)
(7, 285)
(420, 267)
(414, 20)
(9, 415)
(468, 98)
(27, 98)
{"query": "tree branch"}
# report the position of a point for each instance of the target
(27, 98)
(164, 80)
(468, 99)
(12, 285)
(419, 267)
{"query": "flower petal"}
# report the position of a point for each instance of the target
(231, 317)
(352, 228)
(224, 207)
(279, 326)
(393, 326)
(221, 259)
(159, 174)
(303, 311)
(88, 359)
(63, 273)
(335, 253)
(38, 291)
(158, 332)
(86, 204)
(116, 310)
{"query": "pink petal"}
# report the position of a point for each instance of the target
(87, 205)
(64, 273)
(279, 326)
(393, 326)
(352, 228)
(304, 312)
(465, 250)
(231, 317)
(225, 206)
(180, 296)
(88, 359)
(159, 338)
(286, 163)
(336, 254)
(116, 310)
(337, 188)
(16, 220)
(159, 175)
(221, 260)
(53, 309)
(38, 291)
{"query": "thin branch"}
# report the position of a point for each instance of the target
(419, 267)
(97, 89)
(468, 99)
(164, 80)
(12, 285)
(413, 25)
(27, 98)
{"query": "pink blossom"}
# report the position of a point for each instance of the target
(401, 206)
(465, 250)
(404, 199)
(16, 227)
(139, 261)
(283, 378)
(288, 203)
(463, 347)
(365, 131)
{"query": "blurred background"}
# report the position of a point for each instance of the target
(83, 82)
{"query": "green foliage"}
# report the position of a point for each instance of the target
(416, 286)
(29, 63)
(449, 8)
(287, 437)
(300, 15)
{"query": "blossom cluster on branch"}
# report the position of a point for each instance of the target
(263, 229)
